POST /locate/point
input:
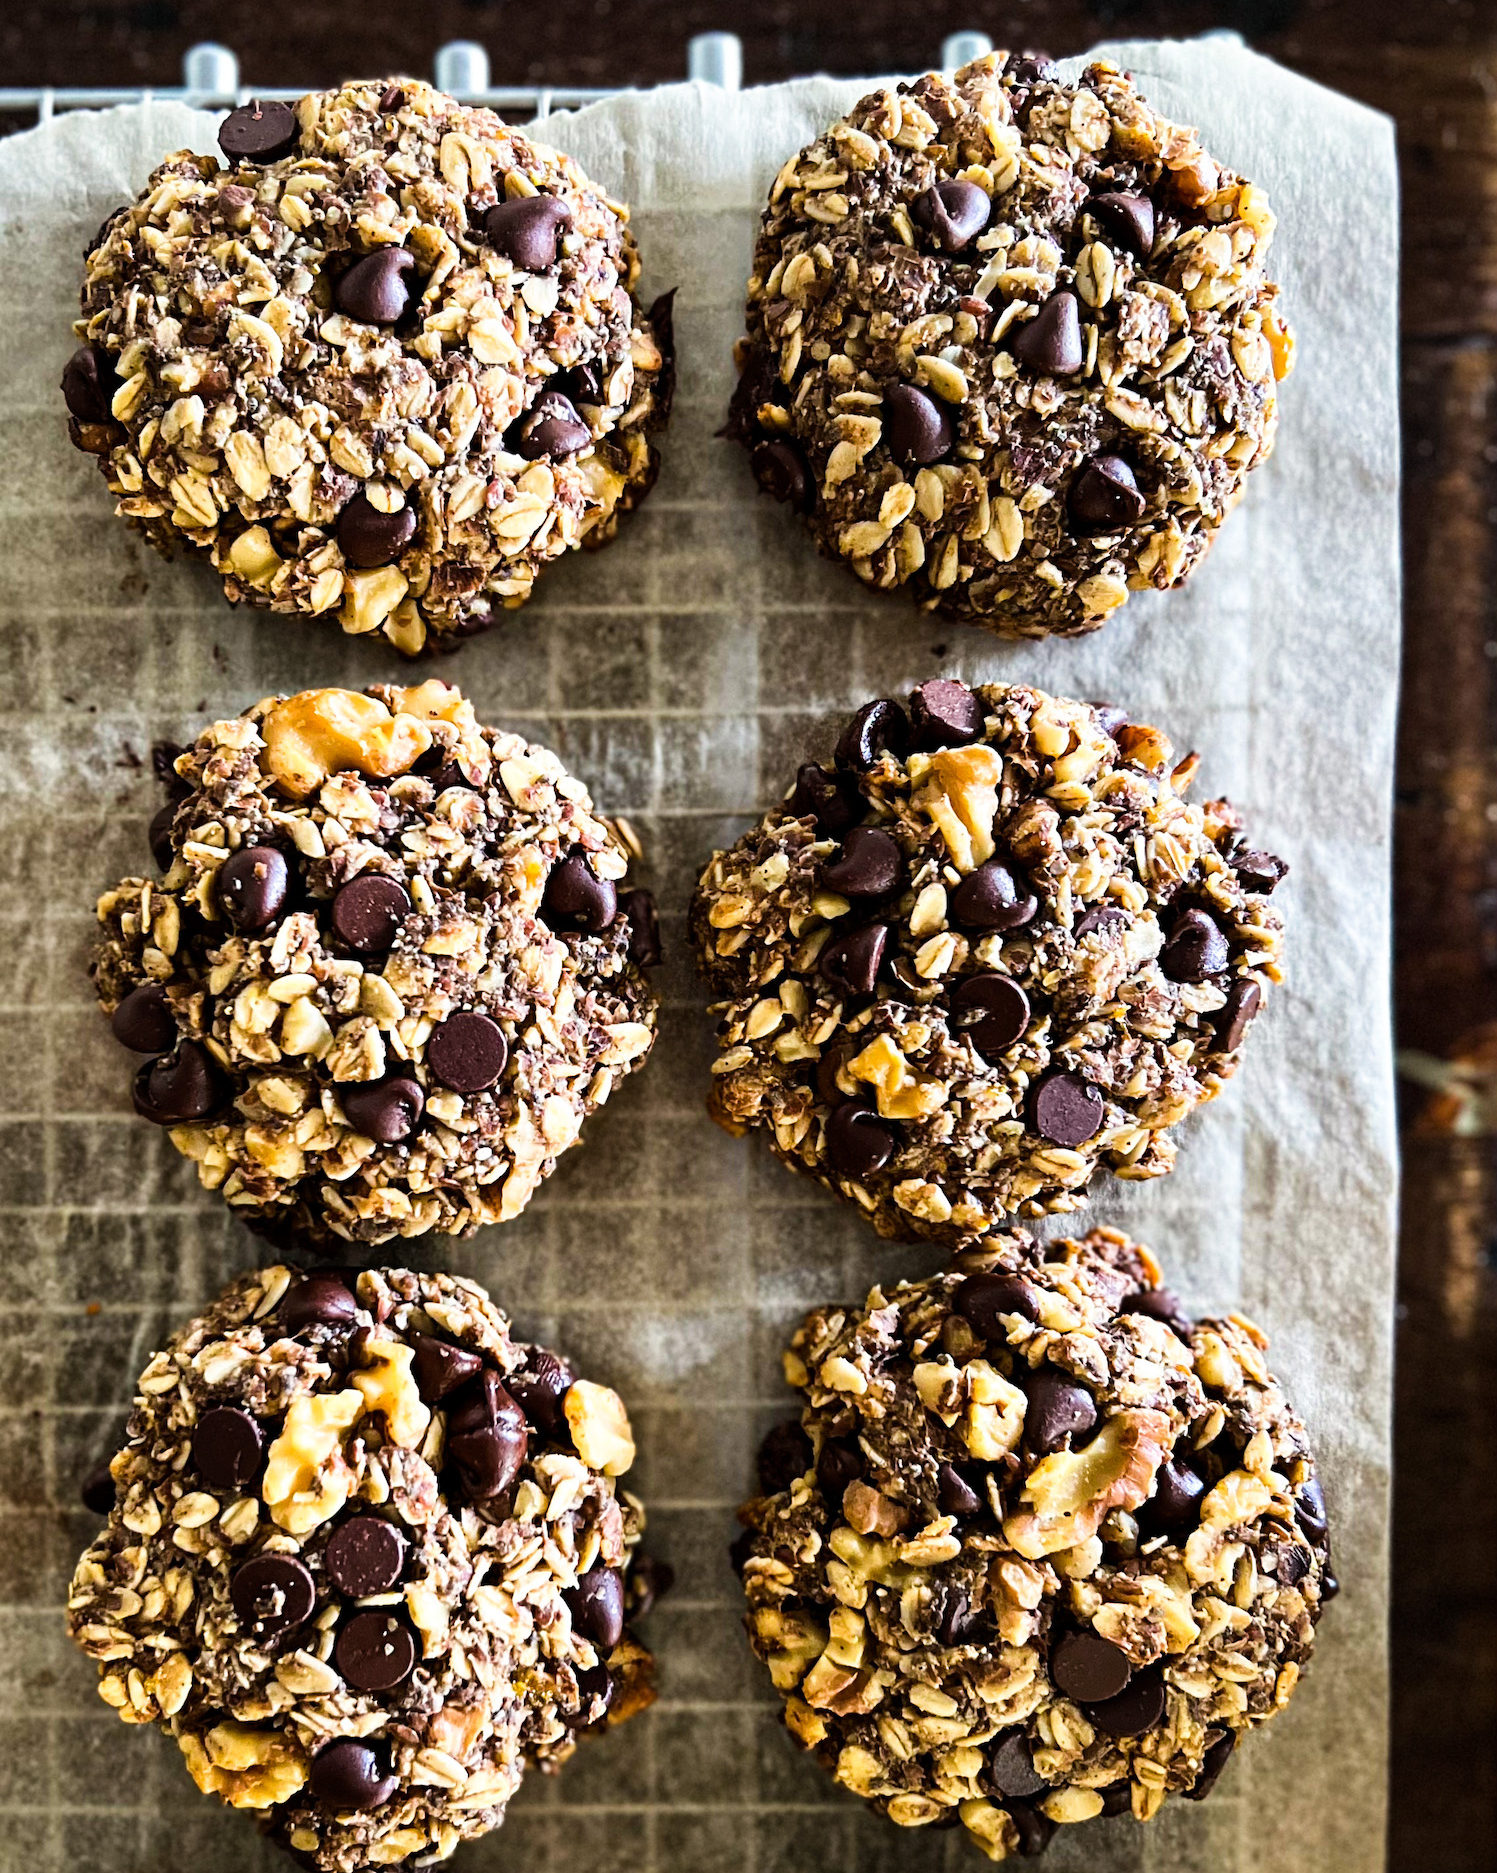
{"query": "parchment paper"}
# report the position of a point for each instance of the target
(682, 672)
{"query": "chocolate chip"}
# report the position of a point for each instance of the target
(179, 1087)
(1118, 1799)
(1310, 1512)
(832, 800)
(552, 430)
(387, 1110)
(252, 887)
(858, 1142)
(1194, 949)
(375, 290)
(1035, 1830)
(834, 1057)
(272, 1593)
(957, 1622)
(89, 382)
(96, 1491)
(992, 1011)
(318, 1301)
(780, 470)
(945, 714)
(486, 1437)
(369, 910)
(1057, 1409)
(350, 1775)
(952, 213)
(838, 1465)
(1329, 1588)
(366, 1555)
(467, 1052)
(1105, 496)
(540, 1389)
(1215, 1759)
(143, 1021)
(1050, 342)
(1031, 68)
(984, 1302)
(1175, 1501)
(594, 1688)
(1244, 999)
(159, 834)
(597, 1603)
(851, 963)
(784, 1455)
(649, 1579)
(439, 1367)
(1287, 1561)
(259, 133)
(1065, 1108)
(391, 99)
(917, 428)
(1101, 917)
(1110, 719)
(878, 728)
(226, 1447)
(1258, 871)
(644, 928)
(992, 898)
(1129, 219)
(955, 1494)
(370, 537)
(1011, 1768)
(1139, 1708)
(454, 774)
(1159, 1304)
(527, 231)
(758, 384)
(869, 865)
(1089, 1668)
(375, 1651)
(577, 897)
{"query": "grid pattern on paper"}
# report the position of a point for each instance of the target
(682, 673)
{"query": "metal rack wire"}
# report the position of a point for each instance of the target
(210, 80)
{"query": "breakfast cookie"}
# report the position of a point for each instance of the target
(987, 950)
(391, 967)
(1010, 344)
(379, 361)
(1039, 1547)
(368, 1560)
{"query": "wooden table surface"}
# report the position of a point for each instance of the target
(1434, 69)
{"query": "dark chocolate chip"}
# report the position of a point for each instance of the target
(984, 1302)
(917, 428)
(252, 887)
(552, 430)
(784, 1455)
(992, 898)
(1118, 1799)
(1128, 219)
(1258, 871)
(366, 1555)
(350, 1776)
(227, 1446)
(649, 1579)
(454, 774)
(838, 1465)
(1175, 1501)
(1215, 1759)
(1035, 1830)
(858, 1141)
(1101, 917)
(957, 1621)
(1011, 1768)
(375, 290)
(369, 910)
(1089, 1668)
(1110, 718)
(486, 1437)
(272, 1593)
(1105, 496)
(89, 382)
(1159, 1304)
(143, 1021)
(595, 1694)
(869, 865)
(1310, 1512)
(577, 897)
(1065, 1108)
(370, 537)
(467, 1052)
(1058, 1408)
(391, 99)
(1050, 342)
(527, 231)
(1194, 949)
(832, 800)
(644, 928)
(375, 1651)
(597, 1603)
(387, 1110)
(159, 835)
(259, 132)
(834, 1057)
(540, 1389)
(1287, 1561)
(179, 1087)
(955, 1494)
(97, 1491)
(758, 384)
(1244, 999)
(945, 714)
(439, 1367)
(1329, 1588)
(878, 728)
(952, 213)
(1031, 68)
(851, 963)
(321, 1300)
(1137, 1709)
(780, 470)
(992, 1011)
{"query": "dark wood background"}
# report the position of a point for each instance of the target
(1433, 67)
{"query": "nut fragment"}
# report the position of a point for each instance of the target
(307, 1479)
(312, 735)
(600, 1427)
(1070, 1492)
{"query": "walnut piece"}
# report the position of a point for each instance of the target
(600, 1427)
(307, 1478)
(248, 1768)
(386, 1386)
(902, 1093)
(1071, 1491)
(962, 799)
(320, 731)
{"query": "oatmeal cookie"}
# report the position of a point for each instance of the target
(989, 949)
(391, 967)
(380, 361)
(367, 1561)
(1039, 1547)
(1010, 344)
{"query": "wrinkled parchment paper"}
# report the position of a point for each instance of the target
(682, 673)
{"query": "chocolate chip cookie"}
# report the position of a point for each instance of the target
(987, 949)
(368, 1560)
(1039, 1548)
(379, 362)
(392, 964)
(1010, 344)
